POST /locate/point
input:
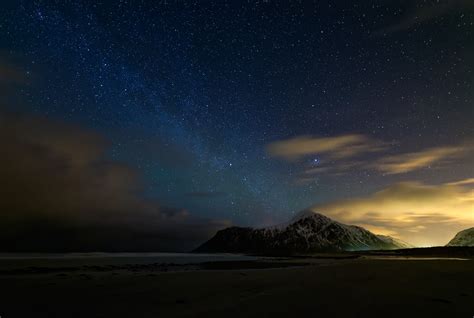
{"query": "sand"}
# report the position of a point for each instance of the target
(353, 287)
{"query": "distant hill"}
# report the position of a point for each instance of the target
(463, 238)
(307, 232)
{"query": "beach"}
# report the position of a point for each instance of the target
(237, 286)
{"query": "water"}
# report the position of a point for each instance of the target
(21, 260)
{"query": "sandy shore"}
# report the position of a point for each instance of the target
(358, 287)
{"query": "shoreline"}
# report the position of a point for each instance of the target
(366, 287)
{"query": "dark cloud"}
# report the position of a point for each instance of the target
(418, 12)
(11, 76)
(206, 195)
(10, 73)
(59, 193)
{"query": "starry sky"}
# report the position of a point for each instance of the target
(247, 112)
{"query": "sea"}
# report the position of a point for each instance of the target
(20, 260)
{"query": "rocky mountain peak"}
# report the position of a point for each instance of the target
(308, 231)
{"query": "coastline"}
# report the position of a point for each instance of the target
(323, 287)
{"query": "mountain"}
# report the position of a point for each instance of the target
(463, 238)
(307, 232)
(391, 240)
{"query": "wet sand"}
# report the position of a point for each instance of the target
(314, 287)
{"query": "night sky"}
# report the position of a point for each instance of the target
(244, 113)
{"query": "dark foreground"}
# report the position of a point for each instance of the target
(362, 286)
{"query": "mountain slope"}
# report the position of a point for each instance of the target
(463, 238)
(308, 232)
(391, 240)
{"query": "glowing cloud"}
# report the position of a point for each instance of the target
(463, 182)
(338, 147)
(423, 215)
(413, 161)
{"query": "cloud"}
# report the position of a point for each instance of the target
(407, 162)
(338, 147)
(60, 193)
(462, 182)
(10, 73)
(10, 76)
(344, 154)
(336, 168)
(206, 194)
(418, 13)
(420, 214)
